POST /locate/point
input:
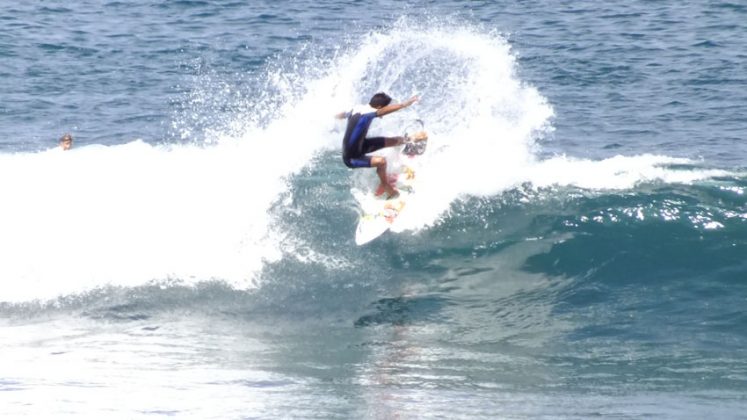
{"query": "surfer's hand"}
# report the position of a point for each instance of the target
(412, 100)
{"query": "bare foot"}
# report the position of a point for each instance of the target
(419, 136)
(391, 192)
(392, 178)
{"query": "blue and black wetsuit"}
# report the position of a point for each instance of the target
(355, 145)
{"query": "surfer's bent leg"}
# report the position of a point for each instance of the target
(394, 141)
(377, 162)
(380, 163)
(373, 144)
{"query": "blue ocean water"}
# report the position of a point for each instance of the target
(576, 247)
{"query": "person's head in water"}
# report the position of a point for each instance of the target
(66, 142)
(380, 100)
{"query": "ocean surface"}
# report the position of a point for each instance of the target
(576, 246)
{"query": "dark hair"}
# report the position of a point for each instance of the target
(379, 100)
(66, 137)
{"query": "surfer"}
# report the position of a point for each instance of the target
(66, 142)
(355, 144)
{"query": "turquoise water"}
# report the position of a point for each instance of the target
(575, 248)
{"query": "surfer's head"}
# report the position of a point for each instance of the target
(66, 142)
(380, 100)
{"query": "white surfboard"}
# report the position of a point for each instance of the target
(378, 218)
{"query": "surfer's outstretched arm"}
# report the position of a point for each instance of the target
(395, 107)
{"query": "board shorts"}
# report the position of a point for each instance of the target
(355, 144)
(357, 158)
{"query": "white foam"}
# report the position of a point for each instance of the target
(125, 215)
(615, 173)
